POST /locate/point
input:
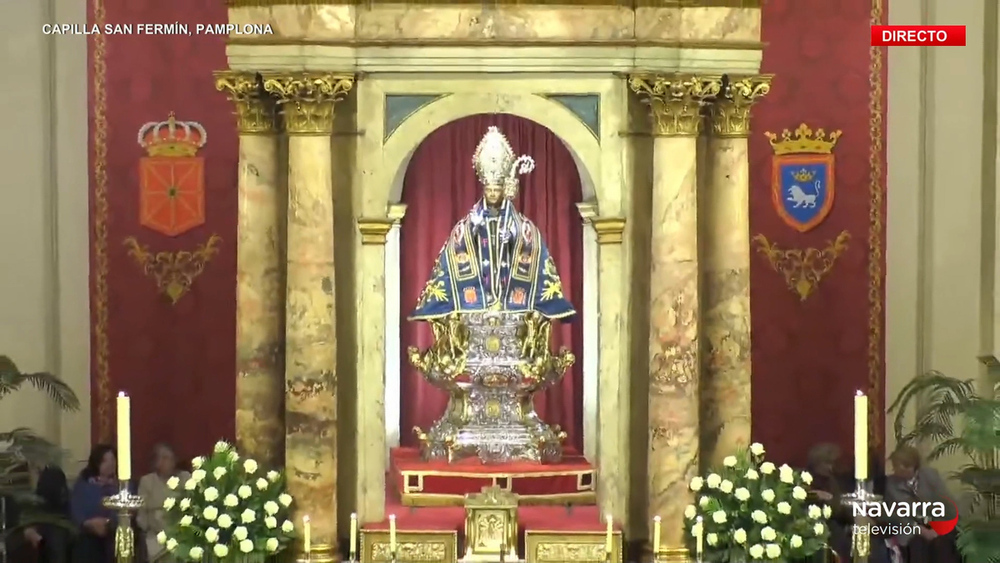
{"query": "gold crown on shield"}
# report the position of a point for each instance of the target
(803, 140)
(496, 164)
(803, 175)
(172, 137)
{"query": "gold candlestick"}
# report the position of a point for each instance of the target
(124, 503)
(861, 536)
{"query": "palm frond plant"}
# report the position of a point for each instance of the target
(22, 449)
(956, 420)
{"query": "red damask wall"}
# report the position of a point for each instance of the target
(811, 355)
(177, 360)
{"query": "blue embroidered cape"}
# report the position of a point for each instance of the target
(460, 281)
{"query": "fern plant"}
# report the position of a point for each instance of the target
(22, 449)
(957, 420)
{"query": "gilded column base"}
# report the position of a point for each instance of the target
(673, 555)
(319, 553)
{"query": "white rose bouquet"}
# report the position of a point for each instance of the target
(752, 510)
(229, 510)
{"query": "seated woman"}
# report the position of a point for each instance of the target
(48, 533)
(153, 489)
(43, 526)
(912, 481)
(95, 543)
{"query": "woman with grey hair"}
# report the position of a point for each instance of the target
(153, 490)
(912, 481)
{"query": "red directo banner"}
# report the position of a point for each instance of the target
(918, 35)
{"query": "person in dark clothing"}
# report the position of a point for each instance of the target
(828, 487)
(49, 538)
(913, 482)
(43, 527)
(95, 544)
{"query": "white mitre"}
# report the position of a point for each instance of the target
(496, 164)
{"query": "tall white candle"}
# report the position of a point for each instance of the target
(656, 534)
(392, 533)
(860, 436)
(700, 539)
(608, 540)
(306, 535)
(354, 535)
(124, 413)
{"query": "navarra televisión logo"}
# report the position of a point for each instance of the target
(174, 28)
(932, 514)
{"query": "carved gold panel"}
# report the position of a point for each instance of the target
(571, 547)
(491, 525)
(426, 546)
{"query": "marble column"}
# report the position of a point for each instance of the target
(260, 273)
(591, 335)
(392, 327)
(675, 104)
(613, 432)
(307, 101)
(371, 296)
(725, 232)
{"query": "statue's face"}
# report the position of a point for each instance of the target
(493, 194)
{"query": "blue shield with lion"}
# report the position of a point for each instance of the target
(802, 189)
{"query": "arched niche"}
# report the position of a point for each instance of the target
(400, 145)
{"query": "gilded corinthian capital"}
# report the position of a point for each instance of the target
(675, 101)
(307, 99)
(255, 110)
(731, 111)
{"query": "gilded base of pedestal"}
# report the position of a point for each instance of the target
(320, 553)
(412, 546)
(673, 555)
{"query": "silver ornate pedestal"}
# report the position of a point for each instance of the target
(491, 364)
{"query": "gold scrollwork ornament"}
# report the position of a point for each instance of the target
(447, 356)
(675, 101)
(173, 272)
(307, 99)
(803, 268)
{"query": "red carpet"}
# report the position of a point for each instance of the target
(437, 483)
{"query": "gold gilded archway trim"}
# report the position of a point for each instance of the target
(803, 268)
(173, 272)
(552, 115)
